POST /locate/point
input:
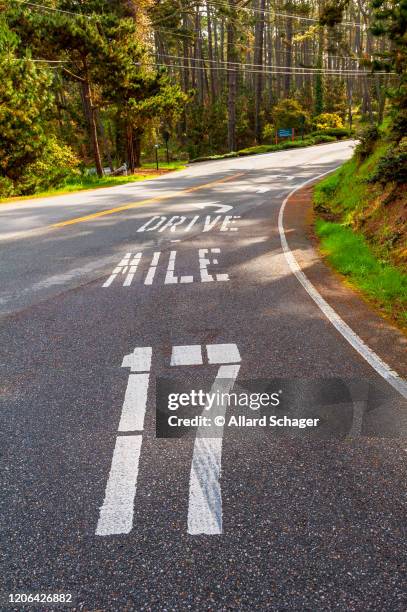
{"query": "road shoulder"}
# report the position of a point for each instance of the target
(379, 334)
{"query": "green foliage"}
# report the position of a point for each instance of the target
(214, 157)
(30, 155)
(105, 57)
(6, 187)
(326, 121)
(56, 163)
(392, 167)
(288, 113)
(108, 95)
(367, 140)
(350, 254)
(324, 192)
(332, 12)
(390, 20)
(399, 120)
(336, 132)
(268, 131)
(336, 101)
(269, 148)
(344, 194)
(25, 101)
(363, 229)
(319, 91)
(319, 138)
(167, 102)
(82, 182)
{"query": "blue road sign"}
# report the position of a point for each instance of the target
(284, 132)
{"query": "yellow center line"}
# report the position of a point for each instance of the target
(111, 211)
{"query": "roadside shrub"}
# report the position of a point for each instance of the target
(336, 132)
(268, 148)
(392, 167)
(324, 138)
(268, 131)
(289, 114)
(256, 150)
(294, 144)
(327, 121)
(212, 157)
(56, 164)
(6, 187)
(367, 140)
(400, 122)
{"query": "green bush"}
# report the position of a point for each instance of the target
(294, 144)
(6, 187)
(400, 122)
(392, 166)
(257, 150)
(367, 140)
(268, 131)
(268, 148)
(289, 114)
(324, 138)
(213, 157)
(56, 163)
(336, 132)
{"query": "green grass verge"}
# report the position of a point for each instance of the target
(350, 254)
(173, 165)
(94, 182)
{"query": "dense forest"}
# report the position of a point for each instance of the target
(93, 85)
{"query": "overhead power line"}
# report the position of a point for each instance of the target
(211, 3)
(53, 9)
(278, 14)
(296, 71)
(275, 51)
(244, 64)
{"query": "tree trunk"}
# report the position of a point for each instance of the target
(199, 66)
(258, 60)
(106, 146)
(231, 76)
(137, 150)
(212, 73)
(131, 159)
(350, 100)
(288, 56)
(319, 77)
(92, 126)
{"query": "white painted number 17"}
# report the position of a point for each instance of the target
(205, 497)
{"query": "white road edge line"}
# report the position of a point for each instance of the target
(381, 367)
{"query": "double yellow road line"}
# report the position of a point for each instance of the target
(111, 211)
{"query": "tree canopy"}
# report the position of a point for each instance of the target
(100, 81)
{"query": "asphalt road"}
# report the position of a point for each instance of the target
(191, 260)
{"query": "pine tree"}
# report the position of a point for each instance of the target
(25, 104)
(104, 57)
(390, 20)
